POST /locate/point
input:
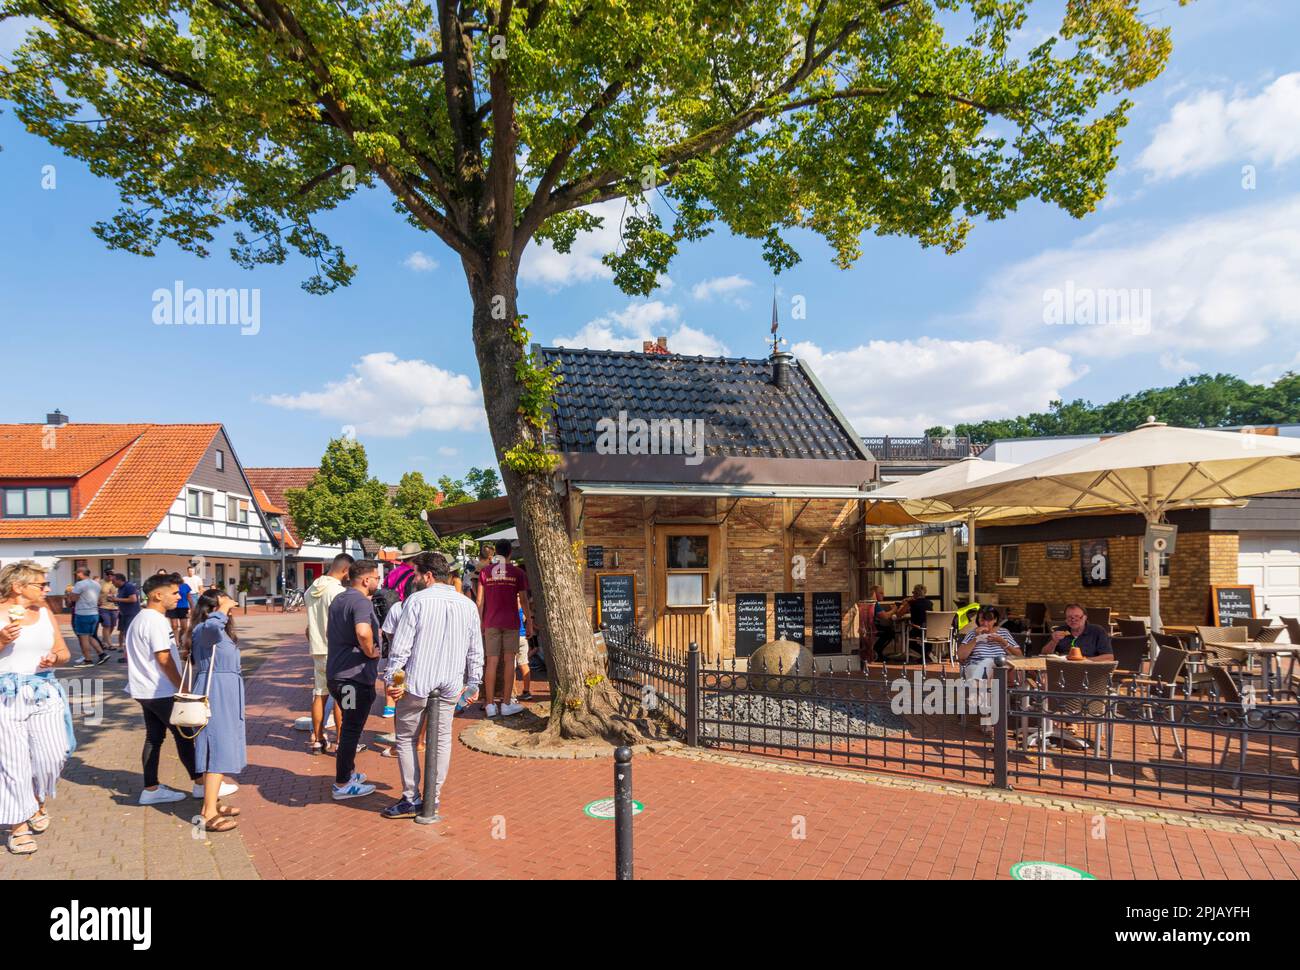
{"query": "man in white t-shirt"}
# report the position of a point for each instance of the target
(153, 677)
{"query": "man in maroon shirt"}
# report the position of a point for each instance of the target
(502, 593)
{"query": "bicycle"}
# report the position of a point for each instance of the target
(293, 601)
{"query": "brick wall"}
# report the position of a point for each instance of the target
(752, 549)
(1202, 558)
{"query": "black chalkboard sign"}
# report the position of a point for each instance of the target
(827, 613)
(789, 617)
(1232, 603)
(616, 599)
(751, 622)
(595, 557)
(1060, 550)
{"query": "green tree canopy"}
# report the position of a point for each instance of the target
(342, 502)
(1203, 401)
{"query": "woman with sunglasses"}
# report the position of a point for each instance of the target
(35, 720)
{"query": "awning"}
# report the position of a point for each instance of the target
(697, 490)
(448, 520)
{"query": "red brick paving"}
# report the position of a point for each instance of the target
(702, 820)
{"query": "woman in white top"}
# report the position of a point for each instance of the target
(35, 721)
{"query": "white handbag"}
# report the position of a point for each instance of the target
(190, 710)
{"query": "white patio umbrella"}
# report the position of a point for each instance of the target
(1148, 471)
(916, 499)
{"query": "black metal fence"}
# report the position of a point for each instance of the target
(1203, 754)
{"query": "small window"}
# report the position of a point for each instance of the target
(236, 509)
(1164, 565)
(37, 503)
(686, 589)
(107, 566)
(1010, 562)
(198, 504)
(221, 460)
(133, 571)
(688, 552)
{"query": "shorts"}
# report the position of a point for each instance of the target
(108, 618)
(126, 620)
(180, 613)
(500, 643)
(85, 624)
(522, 658)
(320, 686)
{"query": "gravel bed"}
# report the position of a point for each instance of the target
(787, 714)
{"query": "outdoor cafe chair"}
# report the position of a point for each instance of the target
(1263, 631)
(1132, 627)
(1056, 612)
(1036, 617)
(1088, 684)
(1228, 693)
(1223, 634)
(1166, 671)
(1292, 624)
(1130, 655)
(938, 632)
(1100, 615)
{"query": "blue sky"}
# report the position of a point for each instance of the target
(906, 339)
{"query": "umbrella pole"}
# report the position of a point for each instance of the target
(972, 562)
(1153, 559)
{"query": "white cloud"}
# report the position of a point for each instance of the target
(1209, 129)
(962, 380)
(1178, 364)
(446, 452)
(543, 265)
(627, 329)
(420, 263)
(1226, 282)
(388, 397)
(722, 286)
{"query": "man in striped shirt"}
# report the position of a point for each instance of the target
(438, 645)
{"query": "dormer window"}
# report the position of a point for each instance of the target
(37, 503)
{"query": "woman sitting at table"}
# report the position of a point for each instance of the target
(984, 644)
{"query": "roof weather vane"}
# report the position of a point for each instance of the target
(776, 340)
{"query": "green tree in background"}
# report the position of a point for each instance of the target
(342, 502)
(1203, 401)
(494, 123)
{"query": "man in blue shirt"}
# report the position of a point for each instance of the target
(1093, 642)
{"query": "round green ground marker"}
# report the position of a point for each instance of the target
(1048, 870)
(604, 808)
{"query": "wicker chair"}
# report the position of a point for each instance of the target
(1130, 655)
(1223, 634)
(1100, 615)
(1132, 627)
(1166, 672)
(1087, 680)
(938, 632)
(1228, 693)
(1263, 631)
(1036, 617)
(1292, 624)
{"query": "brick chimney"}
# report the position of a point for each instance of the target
(659, 346)
(56, 418)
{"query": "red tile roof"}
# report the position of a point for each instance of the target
(271, 484)
(152, 464)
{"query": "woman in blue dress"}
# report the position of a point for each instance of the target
(219, 749)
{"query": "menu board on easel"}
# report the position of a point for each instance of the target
(616, 600)
(751, 622)
(790, 617)
(827, 616)
(1232, 603)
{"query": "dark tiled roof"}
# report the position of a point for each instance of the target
(745, 414)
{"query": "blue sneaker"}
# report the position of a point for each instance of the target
(353, 789)
(405, 808)
(389, 711)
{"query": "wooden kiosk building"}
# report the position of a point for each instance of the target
(711, 499)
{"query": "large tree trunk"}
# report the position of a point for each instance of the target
(584, 704)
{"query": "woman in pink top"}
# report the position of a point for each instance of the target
(35, 721)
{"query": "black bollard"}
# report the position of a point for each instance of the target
(623, 813)
(429, 810)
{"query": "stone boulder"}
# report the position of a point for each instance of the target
(780, 657)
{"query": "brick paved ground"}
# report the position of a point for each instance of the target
(97, 828)
(702, 820)
(523, 819)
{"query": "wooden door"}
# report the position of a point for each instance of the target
(687, 573)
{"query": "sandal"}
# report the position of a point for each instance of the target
(315, 746)
(329, 747)
(39, 822)
(227, 811)
(219, 823)
(23, 844)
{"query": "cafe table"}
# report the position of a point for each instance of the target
(1036, 665)
(1268, 654)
